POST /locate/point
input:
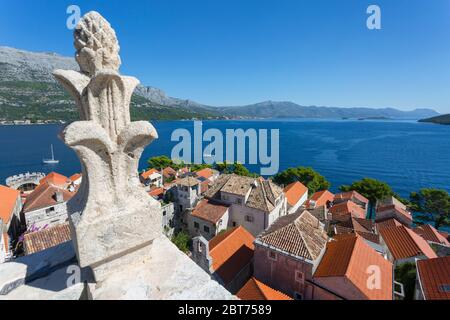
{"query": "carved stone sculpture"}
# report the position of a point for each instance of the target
(111, 215)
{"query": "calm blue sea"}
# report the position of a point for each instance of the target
(407, 155)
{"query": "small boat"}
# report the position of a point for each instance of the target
(52, 160)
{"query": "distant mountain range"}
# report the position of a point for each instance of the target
(28, 91)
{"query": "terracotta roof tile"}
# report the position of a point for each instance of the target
(205, 173)
(56, 179)
(403, 243)
(44, 196)
(434, 275)
(157, 192)
(75, 177)
(351, 257)
(256, 290)
(387, 224)
(347, 209)
(231, 251)
(429, 233)
(320, 198)
(8, 200)
(350, 195)
(299, 234)
(47, 238)
(148, 173)
(397, 210)
(209, 210)
(294, 192)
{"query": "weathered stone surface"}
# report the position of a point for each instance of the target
(29, 268)
(111, 214)
(156, 272)
(51, 287)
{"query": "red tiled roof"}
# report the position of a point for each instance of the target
(294, 192)
(350, 195)
(397, 209)
(351, 257)
(434, 275)
(387, 224)
(321, 198)
(169, 172)
(209, 211)
(56, 179)
(156, 192)
(47, 238)
(403, 243)
(44, 196)
(348, 208)
(256, 290)
(231, 251)
(299, 234)
(8, 200)
(429, 233)
(148, 173)
(75, 177)
(205, 173)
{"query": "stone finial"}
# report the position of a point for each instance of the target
(111, 214)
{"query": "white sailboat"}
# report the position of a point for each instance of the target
(52, 160)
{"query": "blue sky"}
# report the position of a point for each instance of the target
(235, 52)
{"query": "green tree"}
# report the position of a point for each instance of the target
(406, 275)
(198, 167)
(182, 241)
(159, 162)
(372, 189)
(236, 168)
(432, 205)
(310, 178)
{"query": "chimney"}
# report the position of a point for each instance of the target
(59, 196)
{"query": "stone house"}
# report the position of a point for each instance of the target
(151, 178)
(46, 206)
(228, 257)
(168, 218)
(208, 219)
(254, 203)
(10, 208)
(403, 245)
(296, 195)
(345, 270)
(287, 253)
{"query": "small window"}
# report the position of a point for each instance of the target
(196, 225)
(234, 223)
(299, 276)
(298, 296)
(206, 229)
(164, 213)
(249, 218)
(199, 247)
(272, 255)
(49, 210)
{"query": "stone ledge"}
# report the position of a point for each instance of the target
(157, 272)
